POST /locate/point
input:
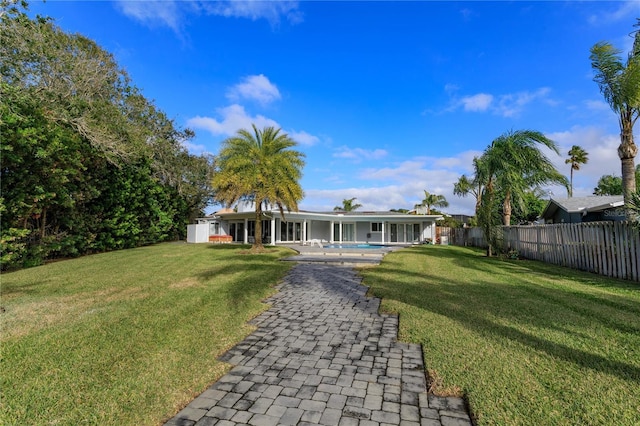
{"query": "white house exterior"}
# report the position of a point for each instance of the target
(332, 227)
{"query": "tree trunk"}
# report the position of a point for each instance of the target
(43, 225)
(571, 183)
(506, 209)
(627, 152)
(257, 235)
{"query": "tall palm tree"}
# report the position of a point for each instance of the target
(259, 167)
(620, 85)
(433, 200)
(347, 206)
(515, 164)
(577, 156)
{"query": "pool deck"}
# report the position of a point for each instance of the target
(343, 256)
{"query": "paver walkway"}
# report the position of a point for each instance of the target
(323, 354)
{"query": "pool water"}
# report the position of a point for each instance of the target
(355, 246)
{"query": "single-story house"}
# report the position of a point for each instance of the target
(584, 209)
(238, 225)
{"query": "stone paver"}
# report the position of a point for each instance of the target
(323, 354)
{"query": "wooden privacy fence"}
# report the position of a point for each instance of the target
(606, 248)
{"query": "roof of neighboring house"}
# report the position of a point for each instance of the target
(592, 203)
(224, 210)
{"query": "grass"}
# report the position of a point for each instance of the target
(524, 342)
(126, 337)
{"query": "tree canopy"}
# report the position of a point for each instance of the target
(619, 83)
(348, 205)
(433, 200)
(259, 167)
(577, 157)
(511, 171)
(88, 163)
(612, 185)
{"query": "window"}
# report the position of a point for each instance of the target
(214, 228)
(376, 226)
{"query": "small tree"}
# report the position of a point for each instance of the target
(347, 205)
(474, 185)
(433, 200)
(577, 157)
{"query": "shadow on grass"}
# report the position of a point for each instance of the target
(523, 293)
(249, 275)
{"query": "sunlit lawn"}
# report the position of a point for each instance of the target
(127, 337)
(525, 342)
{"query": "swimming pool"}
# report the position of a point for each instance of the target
(355, 246)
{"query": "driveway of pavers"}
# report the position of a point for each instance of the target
(323, 354)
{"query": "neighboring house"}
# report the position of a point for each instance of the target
(300, 227)
(584, 209)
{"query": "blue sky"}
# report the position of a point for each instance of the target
(386, 99)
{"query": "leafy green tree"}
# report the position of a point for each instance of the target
(260, 167)
(88, 163)
(512, 166)
(577, 157)
(612, 185)
(620, 85)
(433, 200)
(348, 206)
(531, 208)
(608, 185)
(515, 164)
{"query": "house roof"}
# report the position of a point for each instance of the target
(355, 216)
(592, 203)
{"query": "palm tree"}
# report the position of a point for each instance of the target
(515, 164)
(259, 167)
(347, 206)
(474, 186)
(433, 200)
(577, 156)
(620, 86)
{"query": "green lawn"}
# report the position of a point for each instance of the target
(126, 337)
(525, 342)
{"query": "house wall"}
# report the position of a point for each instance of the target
(561, 216)
(319, 230)
(198, 233)
(323, 230)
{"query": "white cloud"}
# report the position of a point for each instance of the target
(303, 138)
(511, 105)
(602, 150)
(508, 105)
(255, 87)
(451, 88)
(466, 14)
(170, 13)
(627, 9)
(479, 102)
(403, 185)
(153, 12)
(401, 195)
(358, 154)
(233, 118)
(597, 105)
(272, 11)
(193, 148)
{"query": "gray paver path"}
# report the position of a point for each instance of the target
(323, 354)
